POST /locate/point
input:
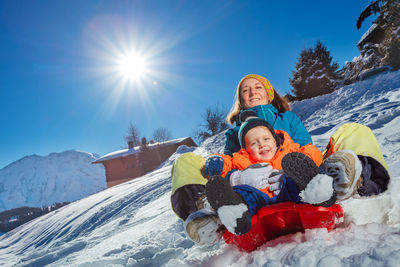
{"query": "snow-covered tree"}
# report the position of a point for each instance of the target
(370, 58)
(315, 73)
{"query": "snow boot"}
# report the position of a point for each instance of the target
(345, 168)
(231, 208)
(204, 227)
(315, 188)
(202, 202)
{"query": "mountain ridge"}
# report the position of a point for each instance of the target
(37, 181)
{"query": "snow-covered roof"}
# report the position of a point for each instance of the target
(126, 152)
(373, 27)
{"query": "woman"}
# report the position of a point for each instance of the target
(188, 184)
(256, 93)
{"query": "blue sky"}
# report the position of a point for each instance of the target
(60, 89)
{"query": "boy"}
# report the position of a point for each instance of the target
(261, 144)
(263, 148)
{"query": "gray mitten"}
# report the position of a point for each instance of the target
(255, 175)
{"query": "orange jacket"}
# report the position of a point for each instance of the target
(242, 159)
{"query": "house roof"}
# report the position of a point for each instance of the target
(371, 29)
(136, 149)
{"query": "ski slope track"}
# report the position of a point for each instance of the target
(132, 224)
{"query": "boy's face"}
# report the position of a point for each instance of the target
(260, 143)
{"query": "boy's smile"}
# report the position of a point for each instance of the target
(260, 143)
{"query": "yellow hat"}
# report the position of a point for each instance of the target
(267, 85)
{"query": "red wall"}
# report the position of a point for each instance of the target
(122, 169)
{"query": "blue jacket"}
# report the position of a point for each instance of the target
(287, 121)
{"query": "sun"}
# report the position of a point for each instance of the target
(132, 66)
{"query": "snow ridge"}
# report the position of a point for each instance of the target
(37, 181)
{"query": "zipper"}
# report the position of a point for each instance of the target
(273, 116)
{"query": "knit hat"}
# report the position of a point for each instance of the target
(267, 85)
(250, 120)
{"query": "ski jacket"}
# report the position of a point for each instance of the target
(287, 121)
(242, 159)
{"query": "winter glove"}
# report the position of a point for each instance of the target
(255, 175)
(275, 181)
(214, 165)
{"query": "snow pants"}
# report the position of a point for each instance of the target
(255, 199)
(188, 184)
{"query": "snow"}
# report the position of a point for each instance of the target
(37, 181)
(132, 224)
(318, 190)
(229, 214)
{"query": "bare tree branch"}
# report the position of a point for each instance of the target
(161, 135)
(133, 135)
(214, 123)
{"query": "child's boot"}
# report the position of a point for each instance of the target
(231, 208)
(315, 188)
(345, 168)
(204, 227)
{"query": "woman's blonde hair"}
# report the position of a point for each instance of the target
(278, 101)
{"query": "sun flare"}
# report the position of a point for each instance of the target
(132, 66)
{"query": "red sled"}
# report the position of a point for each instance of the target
(282, 219)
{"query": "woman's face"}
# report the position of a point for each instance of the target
(252, 93)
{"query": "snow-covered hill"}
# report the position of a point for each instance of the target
(132, 224)
(373, 102)
(37, 181)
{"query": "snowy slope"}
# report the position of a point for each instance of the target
(373, 102)
(37, 181)
(132, 224)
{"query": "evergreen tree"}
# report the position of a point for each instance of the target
(372, 8)
(315, 73)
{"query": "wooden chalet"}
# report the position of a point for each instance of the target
(374, 35)
(127, 164)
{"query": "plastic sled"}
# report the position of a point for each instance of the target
(282, 219)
